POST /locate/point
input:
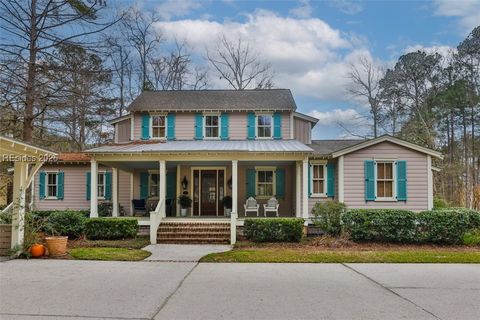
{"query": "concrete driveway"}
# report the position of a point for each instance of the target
(62, 289)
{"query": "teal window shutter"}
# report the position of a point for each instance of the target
(369, 180)
(60, 184)
(108, 186)
(171, 126)
(198, 126)
(330, 179)
(251, 183)
(277, 125)
(41, 185)
(402, 180)
(225, 123)
(143, 185)
(309, 180)
(251, 126)
(87, 174)
(171, 185)
(280, 183)
(145, 126)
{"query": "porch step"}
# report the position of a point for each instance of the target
(193, 232)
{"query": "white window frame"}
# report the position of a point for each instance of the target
(204, 127)
(104, 184)
(324, 165)
(263, 126)
(151, 125)
(274, 182)
(393, 198)
(47, 185)
(150, 173)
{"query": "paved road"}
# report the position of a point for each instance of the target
(62, 289)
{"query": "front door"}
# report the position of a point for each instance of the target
(208, 193)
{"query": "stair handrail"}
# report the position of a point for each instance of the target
(233, 227)
(155, 220)
(8, 208)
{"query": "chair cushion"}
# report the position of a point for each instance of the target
(251, 203)
(272, 203)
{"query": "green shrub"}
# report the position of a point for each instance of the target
(328, 216)
(274, 229)
(442, 226)
(111, 228)
(439, 203)
(384, 225)
(472, 238)
(65, 223)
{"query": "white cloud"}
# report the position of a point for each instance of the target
(347, 6)
(468, 11)
(169, 9)
(445, 51)
(337, 116)
(307, 55)
(304, 10)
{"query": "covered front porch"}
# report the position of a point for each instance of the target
(218, 183)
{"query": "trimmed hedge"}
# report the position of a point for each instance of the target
(65, 223)
(111, 228)
(328, 216)
(384, 225)
(274, 229)
(390, 225)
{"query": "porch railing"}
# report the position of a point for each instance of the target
(8, 209)
(155, 220)
(233, 227)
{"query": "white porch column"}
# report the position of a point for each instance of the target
(341, 194)
(131, 193)
(298, 189)
(114, 192)
(235, 187)
(18, 216)
(93, 188)
(305, 188)
(162, 186)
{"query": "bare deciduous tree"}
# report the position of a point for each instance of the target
(239, 65)
(365, 83)
(31, 30)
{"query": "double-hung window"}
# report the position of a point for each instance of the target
(101, 185)
(52, 185)
(385, 180)
(212, 126)
(158, 126)
(265, 182)
(318, 178)
(264, 126)
(154, 179)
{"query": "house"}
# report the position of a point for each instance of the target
(214, 143)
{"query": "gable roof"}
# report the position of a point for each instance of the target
(326, 147)
(386, 138)
(214, 100)
(305, 117)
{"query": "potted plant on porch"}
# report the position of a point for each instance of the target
(185, 202)
(227, 204)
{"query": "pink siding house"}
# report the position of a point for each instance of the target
(215, 144)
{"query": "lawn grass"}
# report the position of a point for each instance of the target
(308, 255)
(108, 254)
(135, 243)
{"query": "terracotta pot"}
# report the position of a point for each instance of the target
(37, 250)
(57, 246)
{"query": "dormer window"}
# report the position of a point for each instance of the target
(158, 126)
(264, 126)
(212, 126)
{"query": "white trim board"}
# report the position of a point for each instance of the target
(387, 138)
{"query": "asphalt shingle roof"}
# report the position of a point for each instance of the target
(190, 100)
(326, 147)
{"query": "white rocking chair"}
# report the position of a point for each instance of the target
(251, 205)
(271, 206)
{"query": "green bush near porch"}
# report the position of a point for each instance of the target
(274, 229)
(111, 228)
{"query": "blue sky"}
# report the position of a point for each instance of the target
(311, 44)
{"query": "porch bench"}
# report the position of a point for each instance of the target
(139, 205)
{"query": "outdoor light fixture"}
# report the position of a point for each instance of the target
(184, 183)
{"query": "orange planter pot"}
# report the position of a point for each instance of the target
(57, 246)
(37, 250)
